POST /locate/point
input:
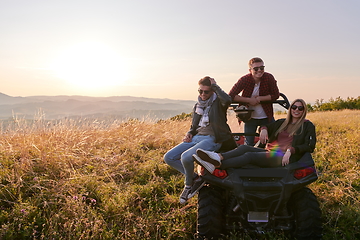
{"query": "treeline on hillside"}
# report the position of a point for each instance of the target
(335, 104)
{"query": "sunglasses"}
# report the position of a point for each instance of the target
(257, 68)
(203, 91)
(294, 107)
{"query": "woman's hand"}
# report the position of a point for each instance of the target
(188, 137)
(286, 158)
(263, 136)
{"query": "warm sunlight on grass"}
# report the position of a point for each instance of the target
(91, 180)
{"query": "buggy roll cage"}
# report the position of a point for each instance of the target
(284, 102)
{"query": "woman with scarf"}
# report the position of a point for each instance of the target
(208, 131)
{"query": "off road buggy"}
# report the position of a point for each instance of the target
(260, 200)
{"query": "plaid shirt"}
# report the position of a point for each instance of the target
(268, 86)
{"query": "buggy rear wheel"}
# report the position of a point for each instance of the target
(307, 214)
(210, 213)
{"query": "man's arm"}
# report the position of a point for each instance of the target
(264, 98)
(274, 90)
(225, 98)
(251, 101)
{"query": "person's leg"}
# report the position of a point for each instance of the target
(260, 159)
(204, 142)
(262, 122)
(203, 157)
(251, 126)
(240, 150)
(173, 156)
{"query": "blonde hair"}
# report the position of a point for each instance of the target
(289, 117)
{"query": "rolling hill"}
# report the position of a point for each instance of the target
(119, 107)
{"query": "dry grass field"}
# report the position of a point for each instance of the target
(91, 180)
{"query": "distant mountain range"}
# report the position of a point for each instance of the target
(117, 107)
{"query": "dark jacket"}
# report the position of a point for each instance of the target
(304, 140)
(217, 117)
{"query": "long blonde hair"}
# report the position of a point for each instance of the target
(288, 120)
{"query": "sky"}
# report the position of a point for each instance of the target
(161, 48)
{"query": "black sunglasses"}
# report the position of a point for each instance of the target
(257, 68)
(203, 91)
(294, 107)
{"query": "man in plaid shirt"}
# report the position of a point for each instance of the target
(259, 89)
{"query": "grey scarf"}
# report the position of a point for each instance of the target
(203, 108)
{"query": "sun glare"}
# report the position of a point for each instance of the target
(90, 65)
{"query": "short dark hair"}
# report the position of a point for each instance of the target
(205, 81)
(254, 60)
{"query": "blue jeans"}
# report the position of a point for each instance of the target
(180, 157)
(251, 126)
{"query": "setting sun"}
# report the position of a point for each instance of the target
(90, 65)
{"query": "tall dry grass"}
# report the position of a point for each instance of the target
(94, 180)
(337, 158)
(87, 181)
